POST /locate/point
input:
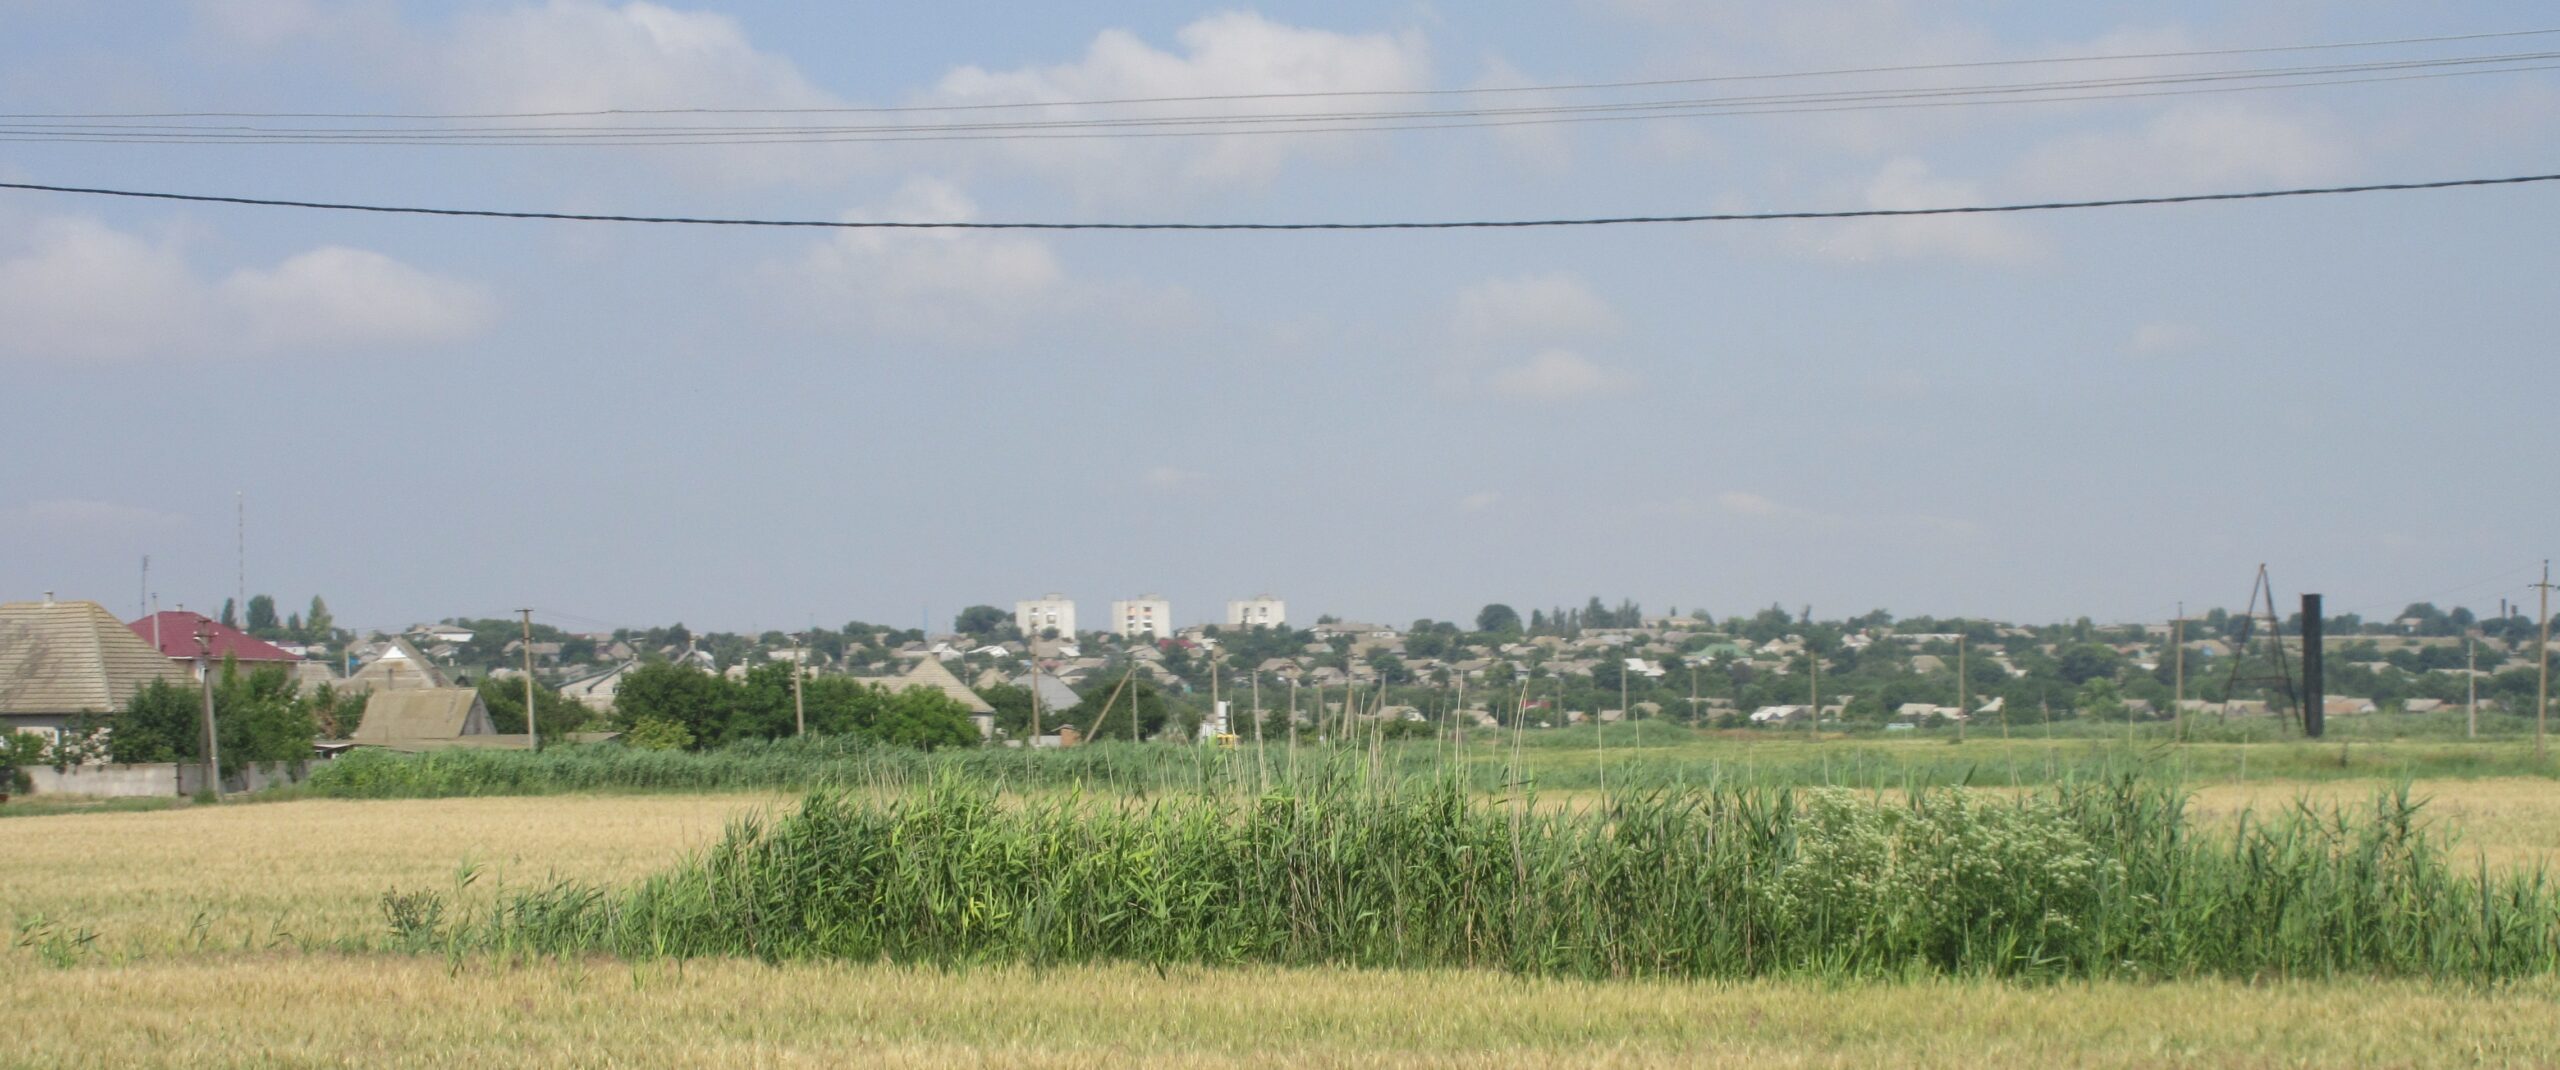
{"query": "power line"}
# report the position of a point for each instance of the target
(1565, 87)
(1481, 224)
(46, 129)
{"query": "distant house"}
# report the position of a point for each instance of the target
(175, 633)
(930, 674)
(1054, 694)
(2347, 706)
(418, 719)
(2422, 705)
(61, 661)
(596, 691)
(399, 667)
(1778, 714)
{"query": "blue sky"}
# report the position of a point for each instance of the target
(2101, 413)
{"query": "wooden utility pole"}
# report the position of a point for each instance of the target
(2542, 655)
(204, 682)
(532, 730)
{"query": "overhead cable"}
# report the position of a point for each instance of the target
(1482, 224)
(1565, 87)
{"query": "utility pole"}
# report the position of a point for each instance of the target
(532, 731)
(1964, 709)
(2178, 654)
(2542, 655)
(799, 705)
(2471, 680)
(204, 682)
(1813, 718)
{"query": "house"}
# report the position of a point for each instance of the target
(63, 661)
(2346, 706)
(596, 691)
(439, 634)
(174, 632)
(419, 719)
(1928, 663)
(1778, 714)
(1053, 693)
(930, 674)
(400, 667)
(2422, 705)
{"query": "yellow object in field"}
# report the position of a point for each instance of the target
(1227, 739)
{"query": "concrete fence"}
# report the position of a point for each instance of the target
(159, 778)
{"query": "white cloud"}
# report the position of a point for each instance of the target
(1906, 183)
(2190, 150)
(954, 287)
(1228, 54)
(2162, 339)
(78, 289)
(1533, 309)
(582, 55)
(1557, 375)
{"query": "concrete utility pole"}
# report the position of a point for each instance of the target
(2178, 697)
(2315, 680)
(204, 682)
(799, 706)
(1813, 718)
(1964, 711)
(2471, 680)
(532, 731)
(2542, 655)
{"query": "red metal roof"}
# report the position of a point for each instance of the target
(177, 637)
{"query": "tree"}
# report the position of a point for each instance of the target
(924, 718)
(1498, 619)
(262, 617)
(317, 624)
(559, 714)
(230, 614)
(679, 695)
(980, 621)
(2084, 662)
(257, 715)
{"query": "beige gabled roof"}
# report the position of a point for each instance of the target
(73, 657)
(400, 668)
(410, 716)
(930, 673)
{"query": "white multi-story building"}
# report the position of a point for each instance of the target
(1048, 611)
(1143, 615)
(1259, 611)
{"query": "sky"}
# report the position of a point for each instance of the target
(2033, 417)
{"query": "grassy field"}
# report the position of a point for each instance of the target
(324, 1010)
(175, 937)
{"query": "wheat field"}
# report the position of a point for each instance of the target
(210, 936)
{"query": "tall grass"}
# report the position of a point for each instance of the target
(1650, 754)
(1336, 867)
